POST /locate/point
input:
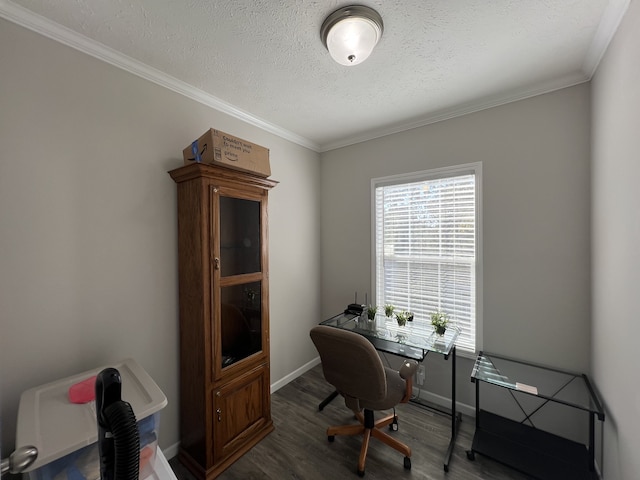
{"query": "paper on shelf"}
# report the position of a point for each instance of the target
(526, 388)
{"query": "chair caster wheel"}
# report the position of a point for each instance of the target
(407, 463)
(331, 438)
(360, 473)
(471, 455)
(393, 426)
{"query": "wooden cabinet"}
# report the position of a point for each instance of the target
(225, 406)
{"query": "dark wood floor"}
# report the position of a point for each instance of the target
(298, 448)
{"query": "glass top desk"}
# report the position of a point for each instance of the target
(413, 341)
(565, 458)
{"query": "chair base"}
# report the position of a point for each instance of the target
(369, 428)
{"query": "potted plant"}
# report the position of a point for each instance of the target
(440, 320)
(388, 310)
(401, 318)
(371, 312)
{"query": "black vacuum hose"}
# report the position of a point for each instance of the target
(118, 434)
(126, 440)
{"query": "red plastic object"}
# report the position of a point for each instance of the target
(84, 391)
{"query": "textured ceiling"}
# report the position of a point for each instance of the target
(263, 60)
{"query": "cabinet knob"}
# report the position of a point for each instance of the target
(216, 262)
(219, 412)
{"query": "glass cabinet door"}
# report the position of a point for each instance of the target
(240, 282)
(240, 322)
(239, 236)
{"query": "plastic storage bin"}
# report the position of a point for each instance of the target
(66, 433)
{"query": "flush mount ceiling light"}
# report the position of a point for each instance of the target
(350, 33)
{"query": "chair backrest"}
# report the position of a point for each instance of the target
(350, 363)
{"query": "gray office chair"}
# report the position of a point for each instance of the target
(352, 365)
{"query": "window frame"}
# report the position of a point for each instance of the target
(474, 168)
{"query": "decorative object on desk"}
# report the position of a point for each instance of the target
(440, 320)
(401, 318)
(410, 316)
(365, 322)
(371, 312)
(354, 309)
(388, 310)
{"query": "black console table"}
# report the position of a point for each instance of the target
(520, 444)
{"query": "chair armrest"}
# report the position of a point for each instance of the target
(408, 369)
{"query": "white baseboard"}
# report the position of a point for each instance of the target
(439, 400)
(417, 392)
(444, 402)
(295, 374)
(171, 451)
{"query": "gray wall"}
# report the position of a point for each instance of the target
(88, 225)
(536, 248)
(616, 241)
(88, 250)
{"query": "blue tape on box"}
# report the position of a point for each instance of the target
(194, 151)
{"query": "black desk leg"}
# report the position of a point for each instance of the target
(455, 417)
(592, 447)
(327, 400)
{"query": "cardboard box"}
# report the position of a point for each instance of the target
(216, 147)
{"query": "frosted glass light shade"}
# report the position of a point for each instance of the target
(351, 33)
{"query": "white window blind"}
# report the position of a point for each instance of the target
(425, 247)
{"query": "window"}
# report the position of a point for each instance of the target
(427, 243)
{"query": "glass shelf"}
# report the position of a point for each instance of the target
(568, 388)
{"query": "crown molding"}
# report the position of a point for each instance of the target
(39, 24)
(609, 23)
(606, 30)
(461, 110)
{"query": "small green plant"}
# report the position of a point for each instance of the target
(440, 320)
(401, 318)
(388, 310)
(371, 312)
